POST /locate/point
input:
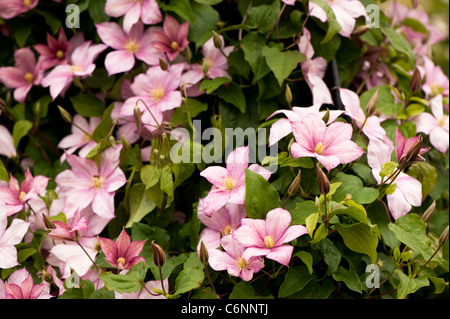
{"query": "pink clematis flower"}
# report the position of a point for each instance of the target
(81, 136)
(128, 45)
(9, 237)
(81, 64)
(173, 39)
(436, 82)
(314, 71)
(23, 75)
(283, 127)
(402, 146)
(7, 143)
(55, 52)
(346, 12)
(330, 145)
(20, 286)
(147, 10)
(222, 223)
(15, 196)
(91, 183)
(408, 192)
(435, 125)
(229, 183)
(122, 253)
(70, 233)
(267, 237)
(372, 128)
(235, 259)
(12, 8)
(214, 63)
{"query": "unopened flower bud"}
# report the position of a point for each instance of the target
(48, 222)
(360, 30)
(429, 212)
(204, 256)
(159, 258)
(414, 151)
(163, 65)
(137, 117)
(112, 141)
(293, 188)
(217, 40)
(326, 116)
(443, 239)
(288, 95)
(322, 179)
(416, 81)
(65, 115)
(126, 145)
(372, 104)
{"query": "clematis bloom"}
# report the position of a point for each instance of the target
(90, 183)
(235, 259)
(402, 147)
(7, 147)
(62, 231)
(9, 237)
(20, 286)
(122, 253)
(23, 75)
(173, 39)
(55, 52)
(15, 196)
(229, 183)
(267, 237)
(12, 8)
(435, 125)
(136, 43)
(330, 145)
(147, 10)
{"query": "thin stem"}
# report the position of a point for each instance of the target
(93, 262)
(211, 282)
(162, 281)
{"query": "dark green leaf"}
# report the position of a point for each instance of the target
(260, 196)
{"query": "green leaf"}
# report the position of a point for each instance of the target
(4, 175)
(282, 63)
(311, 222)
(150, 175)
(307, 259)
(168, 267)
(320, 233)
(130, 282)
(353, 185)
(353, 210)
(400, 43)
(234, 95)
(359, 238)
(251, 44)
(409, 285)
(386, 101)
(350, 278)
(23, 254)
(333, 26)
(181, 8)
(140, 204)
(331, 254)
(301, 211)
(96, 11)
(243, 290)
(192, 275)
(212, 85)
(210, 2)
(88, 105)
(263, 16)
(296, 279)
(260, 196)
(20, 129)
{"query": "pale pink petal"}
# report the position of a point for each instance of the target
(260, 170)
(103, 204)
(237, 161)
(111, 34)
(150, 12)
(215, 175)
(279, 129)
(281, 254)
(215, 200)
(119, 61)
(439, 138)
(132, 16)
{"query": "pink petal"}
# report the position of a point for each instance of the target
(150, 12)
(439, 138)
(215, 175)
(237, 161)
(111, 34)
(123, 241)
(132, 16)
(277, 221)
(281, 254)
(119, 61)
(215, 200)
(103, 204)
(279, 129)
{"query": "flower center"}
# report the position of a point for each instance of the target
(131, 46)
(441, 122)
(174, 46)
(157, 94)
(121, 262)
(26, 3)
(242, 263)
(436, 89)
(97, 182)
(22, 195)
(229, 183)
(207, 64)
(60, 54)
(227, 230)
(76, 68)
(29, 77)
(319, 148)
(268, 242)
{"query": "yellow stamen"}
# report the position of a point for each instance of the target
(29, 77)
(76, 68)
(97, 182)
(157, 94)
(174, 46)
(227, 230)
(121, 261)
(60, 54)
(441, 122)
(26, 3)
(131, 46)
(207, 64)
(229, 183)
(242, 263)
(319, 148)
(22, 195)
(268, 242)
(436, 89)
